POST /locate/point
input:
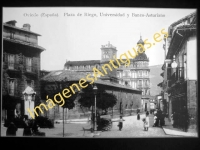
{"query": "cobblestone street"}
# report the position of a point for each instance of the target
(132, 128)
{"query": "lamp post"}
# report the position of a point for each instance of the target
(63, 82)
(29, 95)
(95, 119)
(174, 64)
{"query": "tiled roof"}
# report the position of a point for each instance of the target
(84, 62)
(21, 29)
(60, 75)
(191, 26)
(182, 19)
(24, 43)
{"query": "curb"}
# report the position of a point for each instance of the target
(179, 133)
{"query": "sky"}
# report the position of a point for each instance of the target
(67, 36)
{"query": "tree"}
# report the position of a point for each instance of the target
(104, 100)
(55, 88)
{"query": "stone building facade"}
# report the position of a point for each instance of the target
(136, 75)
(21, 69)
(180, 69)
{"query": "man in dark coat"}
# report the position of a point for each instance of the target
(11, 130)
(27, 128)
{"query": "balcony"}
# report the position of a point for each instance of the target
(127, 76)
(11, 66)
(30, 69)
(177, 76)
(146, 86)
(139, 86)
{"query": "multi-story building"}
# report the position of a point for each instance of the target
(180, 69)
(136, 75)
(21, 70)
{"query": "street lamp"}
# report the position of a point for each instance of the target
(29, 95)
(174, 64)
(95, 119)
(63, 83)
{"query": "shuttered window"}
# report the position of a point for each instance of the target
(11, 60)
(11, 85)
(28, 64)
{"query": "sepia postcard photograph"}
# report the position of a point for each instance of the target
(99, 72)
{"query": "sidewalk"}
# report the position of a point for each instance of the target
(170, 130)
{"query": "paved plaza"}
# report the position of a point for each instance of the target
(132, 128)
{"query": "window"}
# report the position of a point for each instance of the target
(146, 82)
(126, 73)
(12, 34)
(29, 83)
(26, 38)
(11, 88)
(140, 73)
(105, 55)
(118, 74)
(11, 60)
(140, 83)
(28, 64)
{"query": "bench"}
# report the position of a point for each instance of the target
(86, 129)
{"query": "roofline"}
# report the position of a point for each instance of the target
(24, 43)
(96, 82)
(21, 29)
(182, 19)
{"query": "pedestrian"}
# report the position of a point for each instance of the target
(162, 119)
(27, 128)
(11, 130)
(146, 121)
(185, 119)
(159, 113)
(175, 119)
(138, 115)
(35, 130)
(120, 125)
(155, 120)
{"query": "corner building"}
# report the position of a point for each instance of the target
(21, 70)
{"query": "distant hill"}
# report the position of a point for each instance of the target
(155, 78)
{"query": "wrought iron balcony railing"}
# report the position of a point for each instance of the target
(31, 69)
(11, 66)
(177, 76)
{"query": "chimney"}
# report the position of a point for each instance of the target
(27, 26)
(12, 22)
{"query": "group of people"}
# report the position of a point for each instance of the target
(145, 120)
(180, 119)
(29, 129)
